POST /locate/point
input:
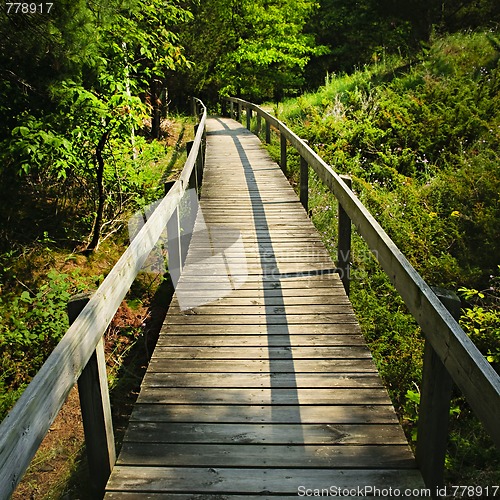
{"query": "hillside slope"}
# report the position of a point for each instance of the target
(420, 140)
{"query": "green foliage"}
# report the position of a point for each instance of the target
(481, 319)
(422, 150)
(368, 31)
(75, 102)
(420, 142)
(31, 324)
(252, 48)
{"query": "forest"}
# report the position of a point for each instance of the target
(402, 96)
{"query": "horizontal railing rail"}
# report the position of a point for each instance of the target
(448, 349)
(28, 422)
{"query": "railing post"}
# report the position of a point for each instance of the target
(238, 112)
(201, 162)
(96, 409)
(259, 124)
(434, 409)
(174, 242)
(249, 118)
(193, 180)
(283, 152)
(231, 109)
(344, 243)
(304, 184)
(268, 132)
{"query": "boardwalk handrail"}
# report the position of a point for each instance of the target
(28, 422)
(471, 372)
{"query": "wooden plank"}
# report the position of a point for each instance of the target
(283, 353)
(268, 329)
(317, 414)
(354, 365)
(293, 434)
(306, 279)
(274, 396)
(273, 300)
(127, 495)
(263, 319)
(259, 340)
(290, 311)
(249, 289)
(242, 455)
(263, 380)
(280, 481)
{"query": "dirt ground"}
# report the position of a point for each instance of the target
(60, 449)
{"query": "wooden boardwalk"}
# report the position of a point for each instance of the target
(261, 383)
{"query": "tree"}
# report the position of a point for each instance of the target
(357, 32)
(71, 88)
(251, 48)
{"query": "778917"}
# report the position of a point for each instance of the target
(28, 8)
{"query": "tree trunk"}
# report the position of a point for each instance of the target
(96, 231)
(156, 111)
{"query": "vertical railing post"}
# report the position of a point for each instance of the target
(249, 118)
(304, 184)
(189, 147)
(96, 409)
(174, 242)
(259, 124)
(268, 132)
(231, 109)
(344, 243)
(283, 153)
(434, 409)
(201, 161)
(238, 112)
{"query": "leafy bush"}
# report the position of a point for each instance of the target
(31, 324)
(481, 319)
(421, 145)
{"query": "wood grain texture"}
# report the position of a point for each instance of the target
(260, 381)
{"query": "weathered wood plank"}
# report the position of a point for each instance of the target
(268, 329)
(255, 481)
(211, 339)
(354, 365)
(263, 319)
(263, 380)
(179, 496)
(273, 396)
(275, 299)
(283, 353)
(290, 311)
(272, 456)
(296, 434)
(336, 414)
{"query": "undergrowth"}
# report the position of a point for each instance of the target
(420, 141)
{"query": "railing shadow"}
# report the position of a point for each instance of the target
(274, 302)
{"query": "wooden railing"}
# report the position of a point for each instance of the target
(449, 353)
(79, 356)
